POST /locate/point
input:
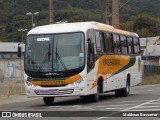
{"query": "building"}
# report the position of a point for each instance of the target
(10, 65)
(150, 51)
(149, 41)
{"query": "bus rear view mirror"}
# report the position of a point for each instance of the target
(19, 51)
(91, 54)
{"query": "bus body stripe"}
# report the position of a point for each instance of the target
(110, 65)
(57, 82)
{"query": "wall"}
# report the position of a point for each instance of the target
(11, 76)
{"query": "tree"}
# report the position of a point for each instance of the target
(146, 25)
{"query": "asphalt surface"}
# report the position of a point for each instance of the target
(110, 107)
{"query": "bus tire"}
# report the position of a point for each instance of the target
(124, 92)
(48, 100)
(95, 97)
(83, 97)
(118, 92)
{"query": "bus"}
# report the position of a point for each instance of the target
(80, 59)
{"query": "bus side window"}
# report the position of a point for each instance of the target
(130, 45)
(108, 43)
(99, 41)
(136, 45)
(123, 44)
(116, 43)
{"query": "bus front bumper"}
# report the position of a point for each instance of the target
(69, 90)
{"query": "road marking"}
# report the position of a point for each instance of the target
(114, 105)
(139, 106)
(113, 108)
(58, 107)
(100, 106)
(148, 106)
(155, 103)
(76, 106)
(133, 101)
(85, 108)
(146, 110)
(100, 118)
(121, 105)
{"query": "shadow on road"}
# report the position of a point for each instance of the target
(68, 101)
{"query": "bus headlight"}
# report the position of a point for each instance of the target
(30, 84)
(78, 82)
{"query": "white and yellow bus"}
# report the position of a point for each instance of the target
(80, 59)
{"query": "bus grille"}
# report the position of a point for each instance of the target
(54, 92)
(53, 85)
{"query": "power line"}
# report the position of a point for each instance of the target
(115, 12)
(121, 7)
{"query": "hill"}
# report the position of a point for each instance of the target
(13, 13)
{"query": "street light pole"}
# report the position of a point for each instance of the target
(19, 52)
(32, 14)
(22, 30)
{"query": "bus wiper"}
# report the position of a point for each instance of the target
(47, 54)
(62, 63)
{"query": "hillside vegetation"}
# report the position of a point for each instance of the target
(141, 16)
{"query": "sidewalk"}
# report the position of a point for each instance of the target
(15, 99)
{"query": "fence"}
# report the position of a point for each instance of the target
(11, 77)
(150, 70)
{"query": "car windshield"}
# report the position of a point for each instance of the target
(57, 52)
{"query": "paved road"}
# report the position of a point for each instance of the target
(142, 98)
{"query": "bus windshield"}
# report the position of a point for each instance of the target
(54, 52)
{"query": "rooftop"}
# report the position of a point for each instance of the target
(75, 27)
(9, 46)
(150, 41)
(152, 50)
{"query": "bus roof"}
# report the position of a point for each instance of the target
(76, 27)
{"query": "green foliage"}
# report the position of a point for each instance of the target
(144, 24)
(13, 15)
(151, 80)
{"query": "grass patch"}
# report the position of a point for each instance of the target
(12, 90)
(151, 80)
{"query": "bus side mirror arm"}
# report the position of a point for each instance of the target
(19, 51)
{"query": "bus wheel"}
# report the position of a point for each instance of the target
(124, 92)
(48, 100)
(95, 97)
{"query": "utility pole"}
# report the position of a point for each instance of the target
(51, 21)
(115, 13)
(107, 12)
